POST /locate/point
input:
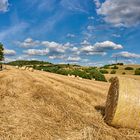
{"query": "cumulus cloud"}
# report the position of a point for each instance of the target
(28, 43)
(36, 52)
(8, 52)
(90, 28)
(57, 57)
(74, 49)
(71, 35)
(121, 12)
(85, 43)
(126, 61)
(55, 50)
(4, 5)
(20, 57)
(52, 46)
(100, 48)
(107, 45)
(73, 59)
(126, 54)
(9, 59)
(52, 49)
(55, 47)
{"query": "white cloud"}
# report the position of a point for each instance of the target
(53, 50)
(126, 54)
(128, 61)
(116, 35)
(97, 53)
(28, 43)
(121, 12)
(4, 5)
(13, 31)
(57, 57)
(71, 35)
(52, 46)
(9, 52)
(91, 18)
(74, 49)
(55, 47)
(97, 3)
(9, 59)
(87, 35)
(76, 5)
(90, 28)
(74, 58)
(100, 48)
(85, 42)
(36, 52)
(107, 45)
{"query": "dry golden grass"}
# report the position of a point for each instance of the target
(43, 106)
(121, 69)
(136, 77)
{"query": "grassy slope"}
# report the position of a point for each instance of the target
(129, 73)
(122, 69)
(40, 105)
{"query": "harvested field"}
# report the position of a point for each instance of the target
(44, 106)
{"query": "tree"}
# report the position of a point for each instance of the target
(1, 54)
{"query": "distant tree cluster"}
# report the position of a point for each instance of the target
(1, 54)
(114, 67)
(104, 71)
(113, 72)
(26, 62)
(137, 71)
(129, 68)
(87, 73)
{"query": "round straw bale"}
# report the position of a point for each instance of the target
(123, 103)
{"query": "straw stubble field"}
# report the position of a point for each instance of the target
(44, 106)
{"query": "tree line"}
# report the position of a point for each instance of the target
(1, 55)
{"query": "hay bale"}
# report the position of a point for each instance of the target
(31, 69)
(17, 67)
(123, 103)
(27, 68)
(23, 68)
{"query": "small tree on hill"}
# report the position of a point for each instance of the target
(1, 54)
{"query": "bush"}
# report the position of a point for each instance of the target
(104, 71)
(113, 72)
(123, 73)
(88, 73)
(138, 68)
(120, 64)
(137, 72)
(34, 66)
(97, 75)
(129, 68)
(106, 67)
(114, 67)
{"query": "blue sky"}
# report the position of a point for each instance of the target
(86, 32)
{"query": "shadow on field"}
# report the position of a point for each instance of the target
(100, 109)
